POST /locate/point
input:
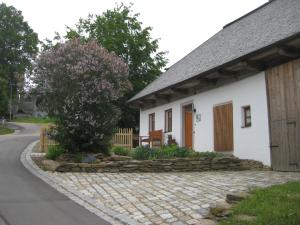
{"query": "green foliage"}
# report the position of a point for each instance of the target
(119, 30)
(5, 130)
(142, 153)
(39, 120)
(18, 47)
(170, 152)
(54, 151)
(3, 98)
(78, 157)
(121, 151)
(79, 83)
(276, 205)
(178, 152)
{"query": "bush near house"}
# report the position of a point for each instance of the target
(276, 205)
(121, 151)
(166, 152)
(54, 151)
(79, 83)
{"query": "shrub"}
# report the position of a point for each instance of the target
(170, 152)
(54, 151)
(121, 151)
(78, 157)
(142, 153)
(166, 152)
(181, 152)
(80, 83)
(174, 151)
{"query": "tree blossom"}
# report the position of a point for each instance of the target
(80, 83)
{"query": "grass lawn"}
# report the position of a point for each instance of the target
(276, 205)
(34, 120)
(5, 130)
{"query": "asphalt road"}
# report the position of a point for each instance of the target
(27, 200)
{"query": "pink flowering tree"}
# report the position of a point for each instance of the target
(80, 84)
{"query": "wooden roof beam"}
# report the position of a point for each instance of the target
(225, 73)
(254, 65)
(288, 51)
(165, 97)
(149, 101)
(206, 81)
(183, 91)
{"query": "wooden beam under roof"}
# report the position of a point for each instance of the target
(180, 90)
(165, 97)
(253, 65)
(202, 81)
(149, 101)
(289, 51)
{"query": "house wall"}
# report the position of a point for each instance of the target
(249, 143)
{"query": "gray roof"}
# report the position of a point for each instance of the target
(264, 26)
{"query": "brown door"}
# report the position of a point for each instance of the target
(223, 127)
(188, 130)
(283, 87)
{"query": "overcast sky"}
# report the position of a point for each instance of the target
(181, 25)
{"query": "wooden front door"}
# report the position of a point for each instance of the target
(188, 130)
(223, 127)
(283, 87)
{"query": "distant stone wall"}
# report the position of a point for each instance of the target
(165, 165)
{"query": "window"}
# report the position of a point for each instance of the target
(151, 122)
(246, 111)
(168, 120)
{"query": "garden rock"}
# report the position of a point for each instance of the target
(116, 164)
(119, 158)
(50, 165)
(222, 209)
(89, 159)
(236, 197)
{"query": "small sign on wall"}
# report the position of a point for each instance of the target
(198, 117)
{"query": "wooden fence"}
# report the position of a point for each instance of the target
(123, 138)
(45, 140)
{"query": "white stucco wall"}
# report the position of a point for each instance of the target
(249, 143)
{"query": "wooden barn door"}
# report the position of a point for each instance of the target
(188, 126)
(223, 127)
(283, 87)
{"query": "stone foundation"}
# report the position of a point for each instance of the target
(163, 165)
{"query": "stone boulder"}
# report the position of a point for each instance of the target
(50, 165)
(236, 197)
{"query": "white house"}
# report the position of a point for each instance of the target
(238, 92)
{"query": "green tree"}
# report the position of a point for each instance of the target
(119, 30)
(80, 83)
(18, 47)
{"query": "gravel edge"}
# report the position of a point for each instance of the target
(90, 204)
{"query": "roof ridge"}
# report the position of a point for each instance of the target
(248, 13)
(181, 59)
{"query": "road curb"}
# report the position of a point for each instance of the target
(98, 209)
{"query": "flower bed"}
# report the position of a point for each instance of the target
(167, 159)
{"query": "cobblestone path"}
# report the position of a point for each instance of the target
(166, 198)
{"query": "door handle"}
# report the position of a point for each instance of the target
(291, 123)
(274, 146)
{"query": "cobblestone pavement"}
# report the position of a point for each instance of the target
(166, 198)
